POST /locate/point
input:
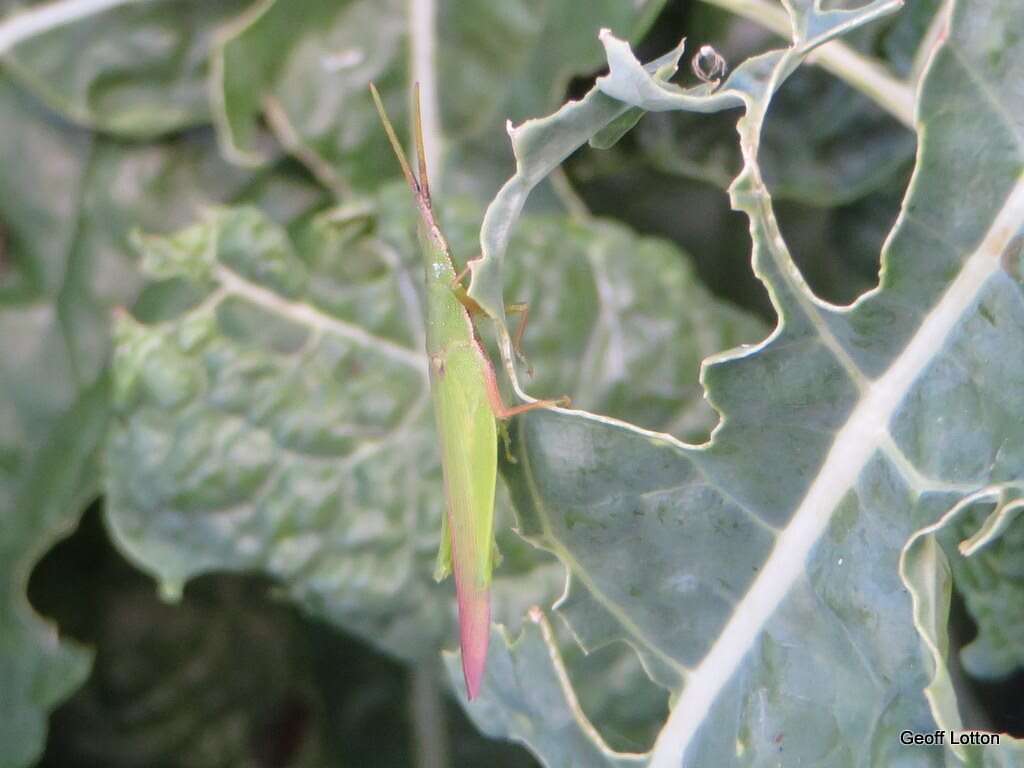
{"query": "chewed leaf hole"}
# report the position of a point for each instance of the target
(628, 723)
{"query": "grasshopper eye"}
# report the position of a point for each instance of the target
(708, 65)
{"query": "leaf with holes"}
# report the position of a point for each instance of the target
(770, 602)
(925, 568)
(282, 423)
(849, 146)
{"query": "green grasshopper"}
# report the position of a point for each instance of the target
(467, 405)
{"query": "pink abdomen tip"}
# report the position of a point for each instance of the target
(474, 636)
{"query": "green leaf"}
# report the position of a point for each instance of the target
(926, 570)
(540, 145)
(307, 64)
(517, 700)
(231, 676)
(769, 601)
(67, 202)
(847, 146)
(127, 68)
(283, 423)
(37, 667)
(992, 587)
(991, 583)
(52, 410)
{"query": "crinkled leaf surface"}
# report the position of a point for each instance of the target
(283, 424)
(135, 69)
(307, 64)
(67, 202)
(769, 600)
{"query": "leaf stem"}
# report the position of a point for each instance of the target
(422, 38)
(39, 19)
(569, 197)
(861, 72)
(426, 704)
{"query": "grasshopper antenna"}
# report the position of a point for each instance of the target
(396, 144)
(421, 150)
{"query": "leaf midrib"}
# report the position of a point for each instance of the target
(862, 436)
(311, 317)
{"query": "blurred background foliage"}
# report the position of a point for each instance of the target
(143, 116)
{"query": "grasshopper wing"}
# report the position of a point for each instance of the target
(469, 451)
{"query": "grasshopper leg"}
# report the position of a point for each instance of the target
(506, 441)
(504, 412)
(457, 282)
(462, 294)
(523, 310)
